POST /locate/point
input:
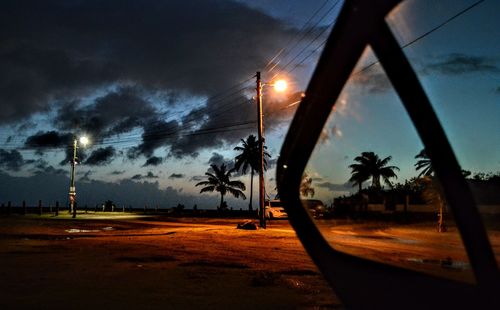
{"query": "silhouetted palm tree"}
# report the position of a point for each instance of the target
(370, 165)
(424, 164)
(219, 181)
(358, 175)
(250, 158)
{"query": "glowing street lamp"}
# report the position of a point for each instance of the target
(280, 86)
(72, 189)
(84, 140)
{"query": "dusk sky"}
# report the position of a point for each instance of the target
(164, 88)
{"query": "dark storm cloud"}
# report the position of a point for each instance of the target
(12, 160)
(137, 177)
(56, 51)
(335, 187)
(156, 134)
(229, 120)
(49, 139)
(117, 112)
(153, 161)
(86, 176)
(117, 172)
(218, 159)
(223, 120)
(176, 176)
(197, 178)
(149, 175)
(454, 64)
(81, 155)
(54, 139)
(101, 156)
(43, 167)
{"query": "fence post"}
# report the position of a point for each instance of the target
(145, 209)
(24, 207)
(8, 208)
(40, 207)
(50, 208)
(74, 210)
(57, 208)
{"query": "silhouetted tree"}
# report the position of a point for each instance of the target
(306, 188)
(250, 158)
(358, 175)
(432, 194)
(424, 164)
(370, 165)
(219, 181)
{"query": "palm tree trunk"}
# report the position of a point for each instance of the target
(250, 208)
(359, 191)
(376, 181)
(221, 201)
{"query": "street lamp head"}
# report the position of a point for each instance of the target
(84, 140)
(280, 85)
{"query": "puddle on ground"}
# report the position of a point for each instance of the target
(444, 263)
(376, 237)
(75, 231)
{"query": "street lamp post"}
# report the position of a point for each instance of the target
(280, 86)
(262, 215)
(72, 188)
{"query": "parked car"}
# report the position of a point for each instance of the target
(316, 207)
(275, 210)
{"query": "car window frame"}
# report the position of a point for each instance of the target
(362, 23)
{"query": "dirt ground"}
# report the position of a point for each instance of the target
(127, 261)
(130, 263)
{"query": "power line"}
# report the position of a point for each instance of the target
(302, 29)
(425, 34)
(157, 137)
(316, 37)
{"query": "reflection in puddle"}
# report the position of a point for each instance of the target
(375, 237)
(444, 263)
(399, 240)
(76, 230)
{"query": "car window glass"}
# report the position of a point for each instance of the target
(363, 188)
(456, 53)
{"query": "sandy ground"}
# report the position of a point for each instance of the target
(134, 262)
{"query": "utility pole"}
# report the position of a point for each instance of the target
(262, 215)
(72, 189)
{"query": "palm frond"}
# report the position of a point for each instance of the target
(236, 193)
(207, 189)
(237, 184)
